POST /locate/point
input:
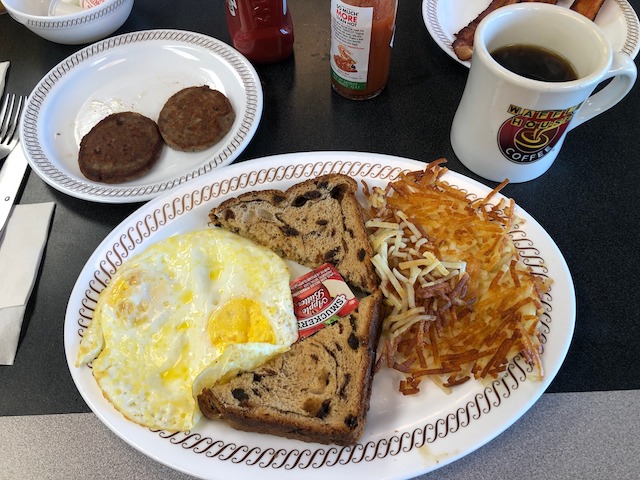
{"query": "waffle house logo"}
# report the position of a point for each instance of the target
(528, 135)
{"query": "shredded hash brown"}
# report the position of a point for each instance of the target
(461, 304)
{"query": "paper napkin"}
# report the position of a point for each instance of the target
(4, 66)
(23, 241)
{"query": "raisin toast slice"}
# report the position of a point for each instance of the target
(318, 391)
(314, 222)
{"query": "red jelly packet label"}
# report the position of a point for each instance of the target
(320, 298)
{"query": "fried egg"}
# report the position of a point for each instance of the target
(201, 305)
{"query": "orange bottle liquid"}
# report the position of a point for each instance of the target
(361, 42)
(262, 30)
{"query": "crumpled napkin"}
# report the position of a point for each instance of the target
(23, 241)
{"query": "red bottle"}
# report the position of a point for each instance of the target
(261, 30)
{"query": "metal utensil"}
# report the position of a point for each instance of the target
(9, 119)
(14, 167)
(11, 177)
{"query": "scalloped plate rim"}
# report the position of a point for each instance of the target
(53, 163)
(178, 450)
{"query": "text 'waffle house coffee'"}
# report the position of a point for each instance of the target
(510, 127)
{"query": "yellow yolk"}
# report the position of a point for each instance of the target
(239, 321)
(198, 306)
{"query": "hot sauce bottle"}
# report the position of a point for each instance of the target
(262, 30)
(361, 41)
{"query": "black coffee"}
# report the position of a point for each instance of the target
(535, 62)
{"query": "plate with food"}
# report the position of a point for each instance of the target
(302, 317)
(133, 116)
(452, 21)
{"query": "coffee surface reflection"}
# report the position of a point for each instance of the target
(536, 63)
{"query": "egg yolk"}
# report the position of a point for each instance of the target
(239, 321)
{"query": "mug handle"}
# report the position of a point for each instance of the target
(624, 72)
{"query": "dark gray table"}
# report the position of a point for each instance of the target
(587, 201)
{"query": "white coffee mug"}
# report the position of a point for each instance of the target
(511, 127)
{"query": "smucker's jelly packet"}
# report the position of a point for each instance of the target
(320, 298)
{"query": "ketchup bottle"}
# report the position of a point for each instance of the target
(261, 30)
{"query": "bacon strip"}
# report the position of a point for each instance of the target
(463, 44)
(588, 8)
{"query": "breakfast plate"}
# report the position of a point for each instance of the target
(444, 18)
(405, 435)
(136, 71)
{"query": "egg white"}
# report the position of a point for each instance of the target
(169, 315)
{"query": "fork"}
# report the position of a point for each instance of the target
(9, 118)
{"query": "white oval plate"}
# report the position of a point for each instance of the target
(445, 18)
(136, 71)
(404, 436)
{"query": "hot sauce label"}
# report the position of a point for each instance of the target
(320, 298)
(528, 135)
(350, 44)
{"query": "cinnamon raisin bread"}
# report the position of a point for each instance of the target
(314, 222)
(317, 391)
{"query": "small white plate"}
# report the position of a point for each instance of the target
(136, 71)
(445, 18)
(405, 436)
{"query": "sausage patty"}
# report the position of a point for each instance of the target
(123, 146)
(195, 118)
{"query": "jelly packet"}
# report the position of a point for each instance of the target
(90, 3)
(320, 298)
(67, 7)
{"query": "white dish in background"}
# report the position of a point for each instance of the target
(404, 436)
(445, 18)
(136, 71)
(70, 26)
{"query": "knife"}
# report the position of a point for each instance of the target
(11, 177)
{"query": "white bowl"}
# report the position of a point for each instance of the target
(85, 26)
